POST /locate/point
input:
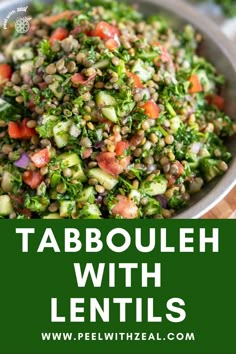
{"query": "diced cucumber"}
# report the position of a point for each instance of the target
(105, 99)
(56, 86)
(145, 72)
(26, 67)
(175, 124)
(22, 54)
(206, 83)
(48, 118)
(90, 211)
(61, 133)
(6, 182)
(104, 178)
(5, 205)
(135, 195)
(67, 208)
(110, 113)
(52, 216)
(155, 187)
(69, 159)
(87, 195)
(78, 173)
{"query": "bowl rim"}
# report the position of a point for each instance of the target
(200, 21)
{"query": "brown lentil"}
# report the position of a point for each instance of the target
(100, 189)
(169, 139)
(53, 207)
(222, 166)
(51, 69)
(31, 124)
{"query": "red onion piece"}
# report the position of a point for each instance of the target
(23, 161)
(99, 145)
(163, 200)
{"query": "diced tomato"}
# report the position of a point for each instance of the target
(217, 101)
(151, 109)
(122, 147)
(14, 130)
(195, 84)
(125, 208)
(5, 73)
(165, 56)
(122, 150)
(112, 44)
(87, 153)
(20, 131)
(41, 158)
(105, 31)
(65, 15)
(79, 79)
(108, 162)
(27, 133)
(136, 80)
(171, 181)
(32, 178)
(59, 34)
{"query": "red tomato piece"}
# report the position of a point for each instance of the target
(112, 44)
(171, 181)
(165, 56)
(27, 132)
(122, 150)
(87, 153)
(125, 208)
(59, 34)
(41, 158)
(14, 130)
(79, 79)
(107, 161)
(5, 73)
(20, 131)
(32, 178)
(136, 80)
(195, 84)
(151, 109)
(105, 31)
(122, 147)
(217, 101)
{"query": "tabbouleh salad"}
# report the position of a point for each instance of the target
(105, 114)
